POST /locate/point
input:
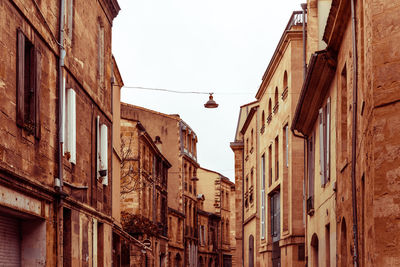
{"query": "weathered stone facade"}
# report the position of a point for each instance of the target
(272, 161)
(144, 179)
(367, 65)
(178, 144)
(216, 192)
(70, 207)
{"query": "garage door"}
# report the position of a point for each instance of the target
(10, 242)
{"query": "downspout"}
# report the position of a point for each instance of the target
(58, 183)
(354, 136)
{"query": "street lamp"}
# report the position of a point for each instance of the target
(211, 102)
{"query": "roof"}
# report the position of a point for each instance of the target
(337, 20)
(222, 176)
(130, 106)
(242, 117)
(295, 19)
(320, 72)
(246, 124)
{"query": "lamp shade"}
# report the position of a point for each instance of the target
(211, 103)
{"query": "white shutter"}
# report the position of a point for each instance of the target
(104, 151)
(64, 111)
(262, 213)
(71, 125)
(328, 138)
(321, 145)
(97, 146)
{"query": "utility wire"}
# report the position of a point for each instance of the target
(198, 92)
(185, 92)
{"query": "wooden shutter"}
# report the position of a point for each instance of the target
(321, 146)
(38, 74)
(328, 138)
(20, 78)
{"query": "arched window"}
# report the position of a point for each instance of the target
(262, 122)
(269, 111)
(343, 243)
(314, 250)
(276, 106)
(251, 251)
(285, 86)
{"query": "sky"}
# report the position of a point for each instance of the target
(220, 46)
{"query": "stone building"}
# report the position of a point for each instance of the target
(144, 179)
(56, 177)
(280, 154)
(348, 112)
(271, 162)
(217, 191)
(178, 145)
(238, 149)
(209, 245)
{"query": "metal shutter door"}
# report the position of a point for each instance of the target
(10, 242)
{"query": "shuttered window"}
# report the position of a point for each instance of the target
(70, 125)
(311, 165)
(102, 151)
(28, 85)
(275, 216)
(324, 138)
(263, 196)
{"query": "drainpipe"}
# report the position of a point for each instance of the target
(58, 183)
(354, 136)
(304, 7)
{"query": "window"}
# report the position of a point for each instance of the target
(286, 144)
(276, 158)
(343, 114)
(262, 122)
(252, 140)
(324, 142)
(102, 151)
(270, 164)
(70, 124)
(28, 86)
(285, 86)
(247, 146)
(227, 232)
(101, 53)
(327, 246)
(276, 107)
(269, 111)
(310, 168)
(263, 196)
(275, 216)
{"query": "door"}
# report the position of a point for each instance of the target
(10, 242)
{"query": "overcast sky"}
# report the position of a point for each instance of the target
(220, 46)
